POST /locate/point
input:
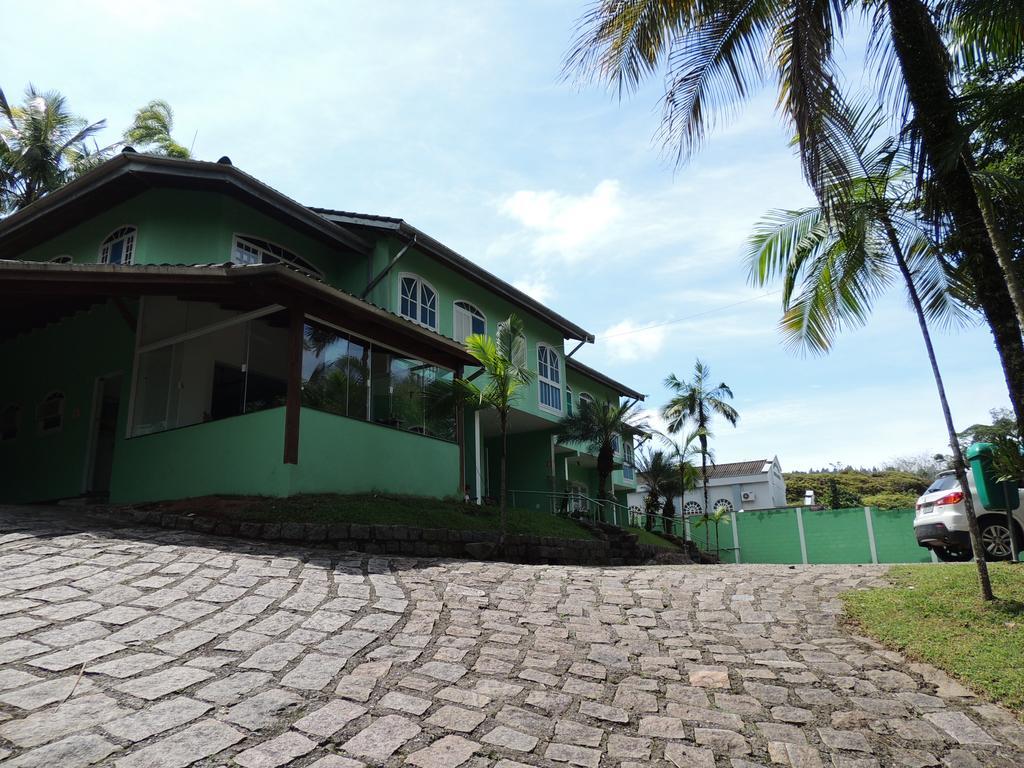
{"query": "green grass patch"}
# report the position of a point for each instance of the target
(647, 537)
(935, 614)
(382, 509)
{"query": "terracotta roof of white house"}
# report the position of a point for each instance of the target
(739, 468)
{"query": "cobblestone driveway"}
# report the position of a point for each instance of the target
(221, 652)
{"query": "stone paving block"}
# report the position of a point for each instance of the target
(509, 738)
(76, 751)
(77, 714)
(76, 655)
(447, 752)
(273, 657)
(960, 727)
(683, 756)
(14, 650)
(454, 718)
(278, 751)
(201, 740)
(852, 740)
(382, 738)
(157, 718)
(232, 689)
(403, 702)
(662, 727)
(569, 753)
(314, 672)
(722, 741)
(330, 718)
(264, 710)
(164, 682)
(794, 755)
(47, 692)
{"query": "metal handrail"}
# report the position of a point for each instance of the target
(622, 515)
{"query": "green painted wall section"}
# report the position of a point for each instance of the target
(66, 357)
(894, 537)
(837, 536)
(344, 455)
(765, 537)
(240, 455)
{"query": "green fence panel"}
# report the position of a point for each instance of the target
(894, 537)
(836, 536)
(768, 537)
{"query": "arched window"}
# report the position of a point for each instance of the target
(119, 247)
(568, 400)
(468, 320)
(586, 398)
(723, 504)
(252, 250)
(62, 259)
(50, 414)
(418, 301)
(692, 508)
(549, 378)
(10, 417)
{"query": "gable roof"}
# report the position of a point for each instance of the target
(739, 468)
(457, 263)
(608, 381)
(131, 173)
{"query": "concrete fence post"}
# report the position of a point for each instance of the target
(686, 527)
(735, 538)
(800, 530)
(871, 536)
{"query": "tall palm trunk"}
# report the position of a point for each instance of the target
(954, 443)
(704, 477)
(923, 62)
(503, 415)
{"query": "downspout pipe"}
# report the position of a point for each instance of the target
(383, 273)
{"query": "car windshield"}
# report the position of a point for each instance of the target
(943, 483)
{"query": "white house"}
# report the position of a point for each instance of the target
(749, 485)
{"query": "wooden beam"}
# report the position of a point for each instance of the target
(293, 401)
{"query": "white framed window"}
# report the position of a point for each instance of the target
(723, 504)
(693, 508)
(417, 300)
(549, 378)
(585, 397)
(253, 250)
(628, 470)
(10, 418)
(50, 413)
(118, 247)
(62, 259)
(467, 320)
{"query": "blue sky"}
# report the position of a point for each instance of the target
(453, 116)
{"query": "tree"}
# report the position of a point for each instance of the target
(655, 470)
(684, 453)
(720, 516)
(835, 260)
(151, 131)
(503, 359)
(43, 146)
(599, 424)
(697, 402)
(717, 52)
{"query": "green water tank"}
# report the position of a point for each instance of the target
(994, 495)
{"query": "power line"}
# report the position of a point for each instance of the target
(687, 317)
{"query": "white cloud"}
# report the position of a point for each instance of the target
(566, 225)
(628, 341)
(538, 289)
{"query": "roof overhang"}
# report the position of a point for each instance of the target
(459, 264)
(33, 294)
(130, 173)
(599, 377)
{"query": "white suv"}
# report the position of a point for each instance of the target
(940, 522)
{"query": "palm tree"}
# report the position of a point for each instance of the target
(42, 147)
(684, 454)
(721, 516)
(841, 255)
(599, 424)
(697, 402)
(715, 53)
(151, 130)
(658, 472)
(503, 360)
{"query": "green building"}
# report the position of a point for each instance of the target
(174, 328)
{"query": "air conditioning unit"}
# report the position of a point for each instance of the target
(747, 496)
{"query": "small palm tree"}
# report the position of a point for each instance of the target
(656, 470)
(684, 453)
(697, 402)
(599, 425)
(720, 516)
(151, 131)
(503, 359)
(43, 146)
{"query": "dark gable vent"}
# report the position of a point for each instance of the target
(225, 160)
(128, 151)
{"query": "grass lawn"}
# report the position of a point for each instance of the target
(934, 614)
(371, 509)
(646, 537)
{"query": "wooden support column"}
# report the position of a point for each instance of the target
(293, 401)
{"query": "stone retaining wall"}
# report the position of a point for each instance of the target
(613, 547)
